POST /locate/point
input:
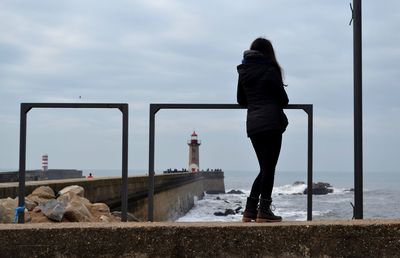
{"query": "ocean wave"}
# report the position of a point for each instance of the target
(289, 189)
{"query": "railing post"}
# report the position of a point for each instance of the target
(124, 192)
(150, 202)
(358, 146)
(309, 162)
(22, 162)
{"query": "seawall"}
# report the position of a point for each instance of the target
(36, 175)
(174, 194)
(368, 238)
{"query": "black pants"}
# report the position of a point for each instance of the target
(267, 146)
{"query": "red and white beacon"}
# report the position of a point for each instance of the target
(194, 143)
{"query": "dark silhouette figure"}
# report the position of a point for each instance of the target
(261, 90)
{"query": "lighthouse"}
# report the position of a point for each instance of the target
(45, 166)
(194, 162)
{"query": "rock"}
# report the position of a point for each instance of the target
(54, 210)
(30, 205)
(235, 192)
(38, 217)
(320, 188)
(44, 192)
(130, 216)
(76, 211)
(219, 213)
(104, 218)
(7, 210)
(41, 195)
(37, 209)
(78, 190)
(109, 218)
(238, 209)
(100, 207)
(218, 198)
(229, 212)
(226, 213)
(72, 196)
(299, 183)
(36, 199)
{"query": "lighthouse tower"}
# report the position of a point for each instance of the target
(45, 166)
(194, 162)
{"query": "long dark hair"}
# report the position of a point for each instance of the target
(264, 46)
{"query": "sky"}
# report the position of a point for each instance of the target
(142, 52)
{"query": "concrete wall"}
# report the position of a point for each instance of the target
(35, 175)
(286, 239)
(174, 193)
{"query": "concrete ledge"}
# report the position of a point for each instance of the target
(368, 238)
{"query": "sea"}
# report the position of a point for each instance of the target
(381, 195)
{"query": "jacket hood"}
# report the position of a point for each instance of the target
(254, 64)
(254, 57)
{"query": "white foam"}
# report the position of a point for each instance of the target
(289, 189)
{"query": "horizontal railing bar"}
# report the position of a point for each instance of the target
(215, 106)
(73, 105)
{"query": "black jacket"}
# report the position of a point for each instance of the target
(261, 90)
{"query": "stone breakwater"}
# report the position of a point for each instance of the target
(69, 205)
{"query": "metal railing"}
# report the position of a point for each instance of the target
(26, 107)
(154, 108)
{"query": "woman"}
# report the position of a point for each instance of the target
(261, 90)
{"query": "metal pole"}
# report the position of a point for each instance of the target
(310, 162)
(358, 147)
(124, 197)
(150, 196)
(22, 156)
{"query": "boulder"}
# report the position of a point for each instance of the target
(229, 212)
(100, 207)
(44, 192)
(109, 218)
(72, 196)
(238, 209)
(219, 213)
(78, 190)
(226, 213)
(30, 205)
(104, 218)
(7, 210)
(36, 199)
(130, 216)
(41, 195)
(76, 211)
(235, 192)
(54, 210)
(320, 188)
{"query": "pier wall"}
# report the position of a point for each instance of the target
(36, 175)
(174, 194)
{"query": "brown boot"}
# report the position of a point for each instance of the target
(265, 213)
(250, 213)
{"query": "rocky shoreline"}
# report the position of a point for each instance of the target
(69, 205)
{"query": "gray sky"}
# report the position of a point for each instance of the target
(142, 52)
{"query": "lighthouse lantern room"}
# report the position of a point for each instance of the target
(194, 162)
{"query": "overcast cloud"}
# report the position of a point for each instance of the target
(142, 52)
